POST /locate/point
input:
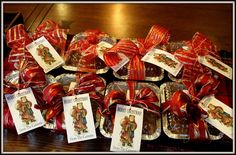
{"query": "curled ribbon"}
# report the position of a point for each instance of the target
(183, 105)
(136, 68)
(200, 45)
(145, 98)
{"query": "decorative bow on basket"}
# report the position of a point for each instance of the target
(53, 93)
(28, 76)
(186, 105)
(29, 73)
(136, 68)
(17, 38)
(145, 98)
(200, 45)
(82, 51)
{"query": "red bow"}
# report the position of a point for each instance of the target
(144, 98)
(200, 45)
(184, 106)
(53, 93)
(136, 68)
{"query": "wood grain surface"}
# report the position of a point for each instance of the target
(124, 21)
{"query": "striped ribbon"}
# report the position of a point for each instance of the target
(183, 105)
(53, 93)
(200, 45)
(136, 68)
(53, 33)
(145, 98)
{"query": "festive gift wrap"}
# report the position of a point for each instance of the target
(139, 94)
(14, 81)
(125, 56)
(68, 85)
(181, 115)
(83, 53)
(188, 52)
(17, 39)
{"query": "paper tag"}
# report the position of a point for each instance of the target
(25, 116)
(127, 130)
(216, 65)
(124, 61)
(102, 47)
(78, 118)
(220, 115)
(45, 55)
(164, 60)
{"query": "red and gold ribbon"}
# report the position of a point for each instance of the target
(136, 68)
(53, 93)
(145, 98)
(187, 106)
(200, 45)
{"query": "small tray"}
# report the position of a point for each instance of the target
(65, 80)
(122, 86)
(179, 131)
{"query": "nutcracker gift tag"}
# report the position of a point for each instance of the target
(127, 130)
(25, 116)
(102, 47)
(216, 65)
(220, 115)
(164, 60)
(45, 55)
(78, 118)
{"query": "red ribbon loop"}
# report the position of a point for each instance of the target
(156, 36)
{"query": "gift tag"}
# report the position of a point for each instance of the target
(127, 130)
(220, 115)
(45, 55)
(78, 118)
(124, 61)
(25, 116)
(216, 65)
(164, 60)
(102, 47)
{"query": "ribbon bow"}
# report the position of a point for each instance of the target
(136, 68)
(53, 93)
(144, 98)
(183, 105)
(200, 45)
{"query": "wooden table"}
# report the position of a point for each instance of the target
(124, 20)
